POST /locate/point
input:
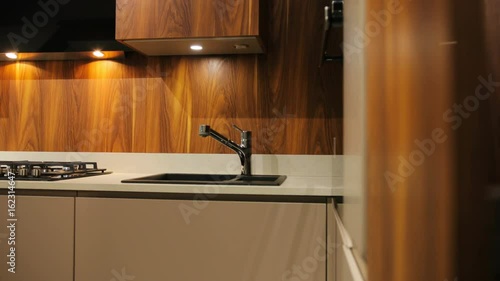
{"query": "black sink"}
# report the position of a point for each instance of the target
(209, 179)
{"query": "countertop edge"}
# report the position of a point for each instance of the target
(293, 186)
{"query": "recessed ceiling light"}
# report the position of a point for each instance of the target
(11, 55)
(98, 54)
(196, 47)
(241, 46)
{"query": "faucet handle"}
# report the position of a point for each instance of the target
(238, 128)
(246, 137)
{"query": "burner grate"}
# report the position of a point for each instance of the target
(49, 170)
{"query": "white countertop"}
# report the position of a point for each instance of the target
(307, 175)
(295, 186)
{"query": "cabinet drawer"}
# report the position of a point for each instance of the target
(152, 240)
(43, 239)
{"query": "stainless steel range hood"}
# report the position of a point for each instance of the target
(59, 29)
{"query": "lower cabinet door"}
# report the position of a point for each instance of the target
(42, 236)
(158, 240)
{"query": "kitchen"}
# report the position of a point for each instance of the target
(307, 123)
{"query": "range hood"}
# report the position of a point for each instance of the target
(59, 30)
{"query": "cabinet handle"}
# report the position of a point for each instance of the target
(344, 235)
(353, 266)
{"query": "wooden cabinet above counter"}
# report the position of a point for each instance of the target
(171, 27)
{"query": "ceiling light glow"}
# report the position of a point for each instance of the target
(196, 47)
(98, 54)
(11, 55)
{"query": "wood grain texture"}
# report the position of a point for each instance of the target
(141, 19)
(428, 212)
(409, 86)
(156, 104)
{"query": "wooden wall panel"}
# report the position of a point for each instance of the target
(24, 109)
(409, 87)
(492, 26)
(429, 216)
(156, 104)
(478, 171)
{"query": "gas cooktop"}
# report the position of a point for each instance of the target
(48, 171)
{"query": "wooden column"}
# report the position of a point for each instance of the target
(429, 141)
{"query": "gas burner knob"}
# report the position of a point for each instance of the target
(36, 173)
(23, 172)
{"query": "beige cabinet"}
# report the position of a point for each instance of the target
(342, 271)
(337, 269)
(344, 266)
(146, 239)
(44, 236)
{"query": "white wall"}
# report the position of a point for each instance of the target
(354, 216)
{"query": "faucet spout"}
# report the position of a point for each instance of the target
(244, 150)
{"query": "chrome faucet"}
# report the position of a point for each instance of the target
(244, 150)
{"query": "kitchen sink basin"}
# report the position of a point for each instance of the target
(210, 179)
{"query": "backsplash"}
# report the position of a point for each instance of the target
(156, 104)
